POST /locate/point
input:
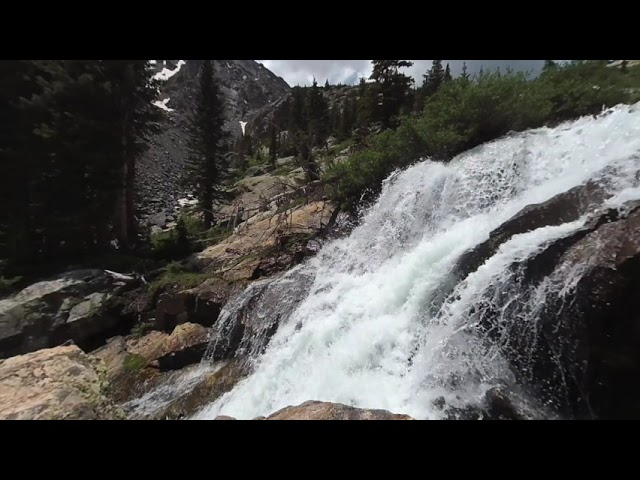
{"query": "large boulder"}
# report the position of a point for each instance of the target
(595, 345)
(314, 410)
(186, 345)
(72, 306)
(200, 305)
(253, 239)
(60, 383)
(582, 356)
(137, 364)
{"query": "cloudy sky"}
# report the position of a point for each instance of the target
(301, 72)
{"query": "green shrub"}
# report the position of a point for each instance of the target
(141, 329)
(465, 113)
(134, 363)
(359, 178)
(176, 275)
(584, 88)
(178, 242)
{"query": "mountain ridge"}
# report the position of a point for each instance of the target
(247, 86)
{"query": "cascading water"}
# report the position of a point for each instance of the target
(382, 323)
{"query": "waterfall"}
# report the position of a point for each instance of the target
(381, 322)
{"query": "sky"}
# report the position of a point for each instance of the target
(301, 72)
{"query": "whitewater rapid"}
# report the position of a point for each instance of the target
(372, 329)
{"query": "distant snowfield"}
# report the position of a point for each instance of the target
(166, 74)
(163, 104)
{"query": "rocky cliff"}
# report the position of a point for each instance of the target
(247, 86)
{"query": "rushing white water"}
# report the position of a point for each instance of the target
(371, 330)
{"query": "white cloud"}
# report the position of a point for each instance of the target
(301, 72)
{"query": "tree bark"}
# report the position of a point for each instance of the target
(130, 199)
(120, 218)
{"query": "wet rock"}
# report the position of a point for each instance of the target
(498, 403)
(439, 403)
(500, 406)
(313, 410)
(597, 340)
(60, 383)
(206, 390)
(252, 317)
(564, 207)
(586, 361)
(224, 417)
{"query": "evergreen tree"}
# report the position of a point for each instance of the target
(369, 110)
(273, 145)
(465, 74)
(81, 125)
(20, 167)
(447, 74)
(326, 84)
(433, 79)
(138, 119)
(297, 117)
(395, 88)
(182, 241)
(318, 115)
(207, 142)
(349, 117)
(549, 64)
(362, 86)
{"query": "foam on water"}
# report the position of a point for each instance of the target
(369, 332)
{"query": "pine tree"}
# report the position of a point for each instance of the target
(447, 74)
(465, 75)
(362, 86)
(20, 168)
(326, 84)
(349, 117)
(395, 88)
(83, 122)
(549, 64)
(138, 119)
(297, 116)
(182, 241)
(433, 79)
(317, 114)
(273, 145)
(207, 142)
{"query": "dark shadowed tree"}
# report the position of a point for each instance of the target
(273, 145)
(433, 79)
(395, 88)
(447, 74)
(207, 143)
